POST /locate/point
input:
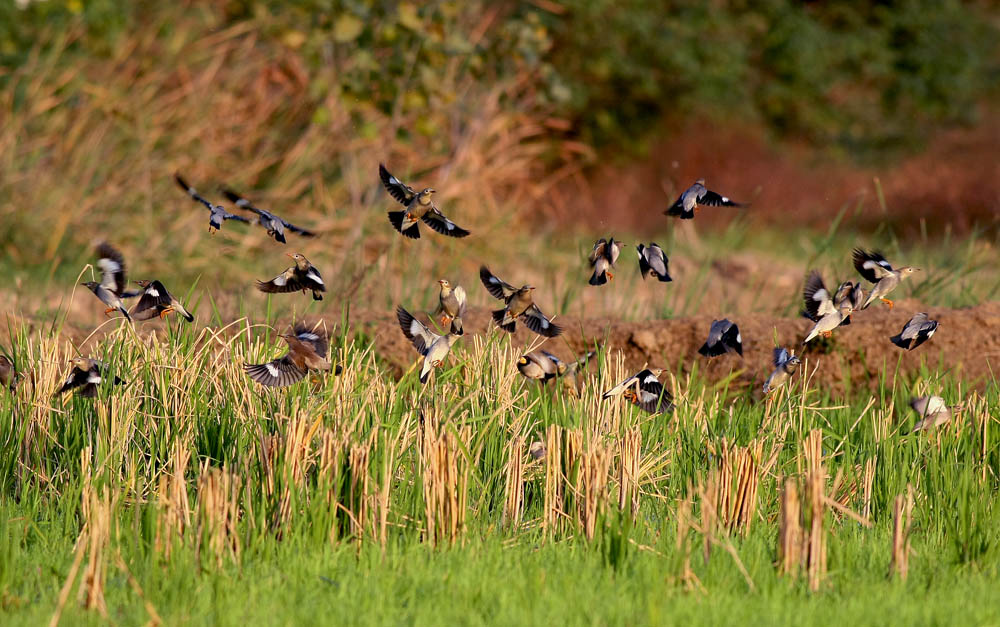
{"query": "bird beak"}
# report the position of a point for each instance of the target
(290, 255)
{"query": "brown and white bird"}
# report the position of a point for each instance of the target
(431, 346)
(916, 331)
(307, 348)
(8, 374)
(275, 225)
(518, 305)
(645, 391)
(933, 412)
(302, 276)
(653, 262)
(873, 267)
(418, 206)
(156, 301)
(451, 306)
(828, 312)
(541, 365)
(111, 290)
(217, 214)
(602, 259)
(86, 375)
(695, 197)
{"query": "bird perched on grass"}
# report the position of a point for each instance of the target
(653, 262)
(645, 391)
(828, 312)
(723, 337)
(302, 276)
(157, 301)
(307, 349)
(602, 260)
(518, 304)
(918, 330)
(111, 290)
(933, 412)
(8, 374)
(418, 206)
(87, 375)
(451, 306)
(785, 365)
(433, 347)
(217, 214)
(274, 225)
(695, 197)
(874, 268)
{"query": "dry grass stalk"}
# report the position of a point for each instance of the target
(445, 473)
(630, 457)
(592, 486)
(708, 494)
(553, 507)
(97, 536)
(218, 513)
(868, 480)
(740, 478)
(359, 459)
(815, 483)
(331, 459)
(174, 515)
(297, 459)
(683, 540)
(514, 482)
(902, 519)
(790, 538)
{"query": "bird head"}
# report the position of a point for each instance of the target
(700, 182)
(90, 284)
(444, 283)
(908, 270)
(656, 371)
(143, 283)
(428, 191)
(299, 259)
(79, 363)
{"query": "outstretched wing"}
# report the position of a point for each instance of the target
(437, 221)
(111, 263)
(817, 297)
(315, 337)
(243, 203)
(712, 199)
(598, 251)
(871, 265)
(459, 293)
(397, 189)
(153, 297)
(624, 385)
(415, 331)
(781, 357)
(190, 191)
(285, 282)
(497, 288)
(538, 322)
(277, 373)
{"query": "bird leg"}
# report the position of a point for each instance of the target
(166, 312)
(107, 312)
(826, 333)
(887, 302)
(445, 319)
(611, 277)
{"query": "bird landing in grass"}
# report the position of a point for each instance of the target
(111, 290)
(156, 301)
(307, 350)
(431, 346)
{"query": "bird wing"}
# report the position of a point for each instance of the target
(538, 322)
(112, 266)
(154, 296)
(314, 337)
(397, 189)
(712, 199)
(285, 282)
(677, 209)
(656, 259)
(459, 293)
(191, 191)
(780, 357)
(277, 373)
(419, 335)
(914, 326)
(243, 203)
(871, 265)
(437, 221)
(598, 251)
(817, 298)
(497, 288)
(732, 338)
(619, 389)
(75, 379)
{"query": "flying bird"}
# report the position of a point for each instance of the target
(518, 304)
(217, 214)
(451, 306)
(785, 365)
(653, 262)
(8, 374)
(542, 365)
(602, 259)
(302, 276)
(828, 312)
(86, 375)
(111, 290)
(695, 197)
(307, 348)
(645, 391)
(418, 206)
(156, 301)
(933, 412)
(274, 225)
(918, 330)
(723, 337)
(873, 267)
(433, 347)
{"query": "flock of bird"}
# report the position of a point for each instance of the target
(308, 347)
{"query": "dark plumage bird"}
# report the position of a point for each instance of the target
(518, 304)
(86, 375)
(157, 301)
(602, 259)
(419, 206)
(918, 330)
(431, 346)
(307, 349)
(695, 197)
(645, 391)
(217, 214)
(302, 276)
(723, 337)
(8, 374)
(653, 262)
(275, 225)
(111, 290)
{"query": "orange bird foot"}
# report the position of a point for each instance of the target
(444, 320)
(107, 312)
(166, 312)
(887, 302)
(611, 277)
(826, 333)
